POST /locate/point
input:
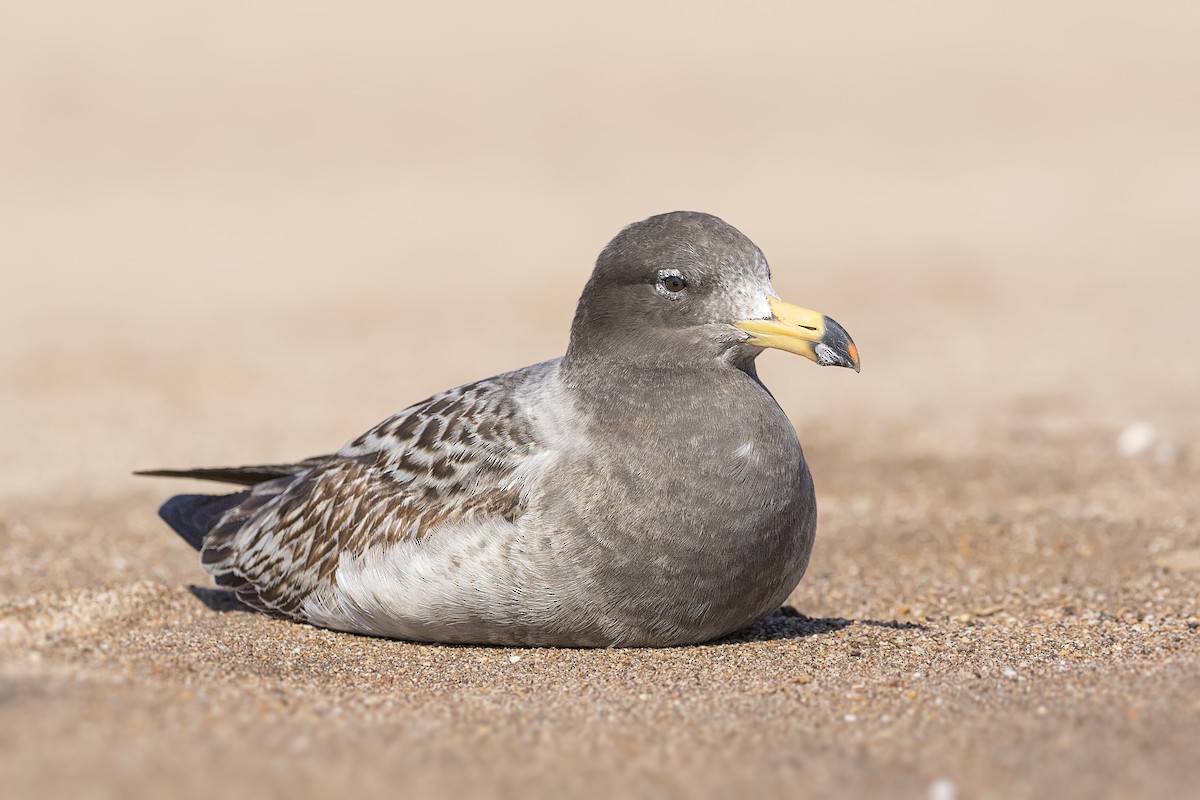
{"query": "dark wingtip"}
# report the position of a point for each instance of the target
(243, 476)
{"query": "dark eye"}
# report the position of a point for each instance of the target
(673, 283)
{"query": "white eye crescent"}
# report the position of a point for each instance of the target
(670, 282)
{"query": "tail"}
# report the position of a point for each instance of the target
(192, 516)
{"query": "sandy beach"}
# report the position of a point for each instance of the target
(240, 233)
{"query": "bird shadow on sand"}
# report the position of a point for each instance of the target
(788, 623)
(219, 600)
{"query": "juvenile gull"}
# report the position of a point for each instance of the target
(644, 489)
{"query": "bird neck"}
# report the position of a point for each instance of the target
(633, 379)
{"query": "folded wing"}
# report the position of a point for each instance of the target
(449, 459)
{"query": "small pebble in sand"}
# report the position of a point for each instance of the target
(943, 789)
(1136, 439)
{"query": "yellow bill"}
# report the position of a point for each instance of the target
(804, 332)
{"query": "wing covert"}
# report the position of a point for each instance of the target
(451, 458)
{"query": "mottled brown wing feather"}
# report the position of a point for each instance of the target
(450, 458)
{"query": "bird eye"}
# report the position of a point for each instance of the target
(673, 283)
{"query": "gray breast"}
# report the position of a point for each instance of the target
(699, 511)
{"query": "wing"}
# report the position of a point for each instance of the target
(454, 457)
(245, 476)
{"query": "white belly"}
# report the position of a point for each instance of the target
(482, 583)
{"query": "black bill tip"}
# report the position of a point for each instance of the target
(836, 348)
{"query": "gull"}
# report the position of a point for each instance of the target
(645, 489)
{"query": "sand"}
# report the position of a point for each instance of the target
(246, 233)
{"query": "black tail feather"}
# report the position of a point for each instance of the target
(192, 516)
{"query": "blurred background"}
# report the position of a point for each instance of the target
(245, 230)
